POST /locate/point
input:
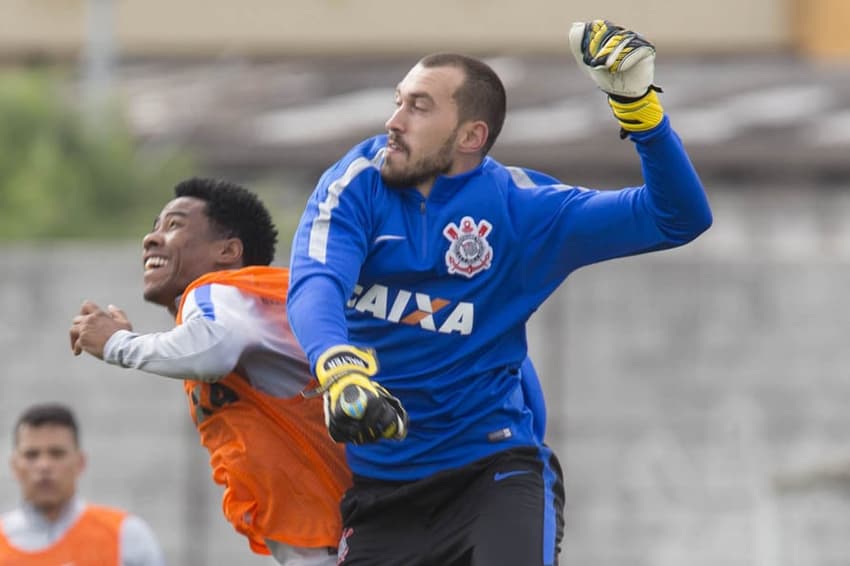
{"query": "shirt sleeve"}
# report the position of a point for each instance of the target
(206, 347)
(329, 246)
(570, 227)
(139, 546)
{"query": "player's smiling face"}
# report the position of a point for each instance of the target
(424, 127)
(182, 246)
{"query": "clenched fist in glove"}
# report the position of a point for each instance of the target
(357, 409)
(622, 63)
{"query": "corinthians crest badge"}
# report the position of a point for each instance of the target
(469, 251)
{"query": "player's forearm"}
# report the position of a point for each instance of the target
(315, 308)
(622, 63)
(201, 350)
(675, 192)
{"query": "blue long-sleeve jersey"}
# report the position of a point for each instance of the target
(442, 287)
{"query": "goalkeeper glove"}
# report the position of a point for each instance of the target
(622, 63)
(357, 409)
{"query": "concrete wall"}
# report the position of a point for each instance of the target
(698, 397)
(143, 450)
(281, 27)
(694, 395)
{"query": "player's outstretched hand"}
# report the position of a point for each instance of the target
(622, 63)
(93, 326)
(357, 409)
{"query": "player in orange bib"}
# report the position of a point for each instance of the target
(53, 525)
(207, 261)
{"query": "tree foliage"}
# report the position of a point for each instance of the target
(63, 177)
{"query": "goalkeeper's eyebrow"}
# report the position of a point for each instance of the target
(415, 96)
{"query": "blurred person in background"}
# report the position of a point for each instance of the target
(53, 525)
(207, 260)
(416, 265)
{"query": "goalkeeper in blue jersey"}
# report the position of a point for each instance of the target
(414, 270)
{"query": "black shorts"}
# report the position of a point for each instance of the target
(503, 510)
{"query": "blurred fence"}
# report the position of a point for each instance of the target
(697, 397)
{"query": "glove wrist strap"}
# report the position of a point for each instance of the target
(629, 99)
(339, 362)
(323, 387)
(637, 114)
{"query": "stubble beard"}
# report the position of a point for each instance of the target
(426, 169)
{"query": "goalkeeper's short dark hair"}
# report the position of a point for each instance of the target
(481, 95)
(235, 212)
(44, 414)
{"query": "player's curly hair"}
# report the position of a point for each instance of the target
(235, 212)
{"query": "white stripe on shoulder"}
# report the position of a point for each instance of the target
(521, 178)
(318, 248)
(212, 300)
(523, 181)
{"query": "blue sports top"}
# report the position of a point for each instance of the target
(442, 287)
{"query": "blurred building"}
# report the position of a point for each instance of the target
(199, 28)
(269, 88)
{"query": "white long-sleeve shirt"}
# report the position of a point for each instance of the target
(223, 329)
(30, 531)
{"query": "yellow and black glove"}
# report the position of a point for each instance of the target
(357, 409)
(622, 63)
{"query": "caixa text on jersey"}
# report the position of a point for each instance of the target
(406, 307)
